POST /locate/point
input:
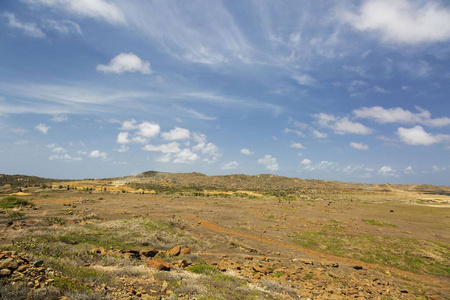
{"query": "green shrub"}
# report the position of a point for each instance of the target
(11, 202)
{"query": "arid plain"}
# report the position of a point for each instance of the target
(192, 236)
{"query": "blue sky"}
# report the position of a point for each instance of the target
(338, 90)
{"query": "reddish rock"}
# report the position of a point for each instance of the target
(159, 264)
(185, 251)
(174, 251)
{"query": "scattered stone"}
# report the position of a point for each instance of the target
(185, 251)
(5, 272)
(174, 251)
(357, 267)
(308, 262)
(158, 264)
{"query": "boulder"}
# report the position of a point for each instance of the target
(158, 264)
(5, 272)
(174, 251)
(185, 251)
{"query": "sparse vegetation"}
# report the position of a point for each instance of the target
(380, 223)
(418, 256)
(12, 202)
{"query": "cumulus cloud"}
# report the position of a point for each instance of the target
(58, 150)
(129, 125)
(247, 151)
(209, 149)
(387, 171)
(402, 21)
(60, 118)
(319, 135)
(409, 171)
(177, 133)
(98, 154)
(417, 136)
(185, 156)
(173, 147)
(230, 166)
(324, 165)
(97, 9)
(148, 130)
(297, 146)
(42, 128)
(359, 146)
(399, 115)
(341, 125)
(30, 29)
(306, 162)
(269, 162)
(122, 138)
(125, 62)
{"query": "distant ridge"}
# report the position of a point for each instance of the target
(262, 182)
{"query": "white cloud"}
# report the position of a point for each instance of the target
(409, 171)
(65, 157)
(199, 137)
(185, 156)
(297, 132)
(230, 166)
(22, 142)
(30, 29)
(97, 9)
(341, 125)
(129, 125)
(269, 162)
(306, 162)
(247, 151)
(305, 80)
(322, 166)
(42, 128)
(209, 149)
(58, 150)
(98, 154)
(402, 21)
(139, 140)
(148, 130)
(400, 115)
(173, 147)
(60, 118)
(122, 138)
(319, 135)
(177, 133)
(387, 171)
(352, 168)
(125, 62)
(438, 169)
(419, 137)
(65, 27)
(214, 38)
(359, 146)
(122, 149)
(297, 145)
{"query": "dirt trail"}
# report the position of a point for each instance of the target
(323, 257)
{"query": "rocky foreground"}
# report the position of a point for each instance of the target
(302, 280)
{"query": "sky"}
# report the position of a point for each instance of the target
(338, 90)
